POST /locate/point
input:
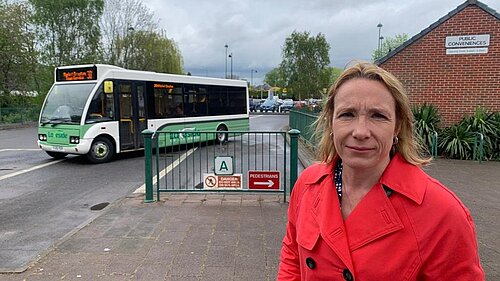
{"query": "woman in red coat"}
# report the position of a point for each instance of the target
(367, 211)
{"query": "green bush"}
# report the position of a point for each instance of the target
(495, 119)
(426, 123)
(460, 140)
(18, 114)
(457, 142)
(12, 118)
(483, 123)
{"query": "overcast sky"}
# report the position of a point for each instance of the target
(255, 30)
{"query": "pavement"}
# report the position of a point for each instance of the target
(217, 236)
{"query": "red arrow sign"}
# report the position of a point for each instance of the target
(263, 179)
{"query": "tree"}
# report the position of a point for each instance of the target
(304, 60)
(120, 19)
(276, 78)
(388, 45)
(333, 73)
(68, 32)
(143, 50)
(17, 52)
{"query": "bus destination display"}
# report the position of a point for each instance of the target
(76, 74)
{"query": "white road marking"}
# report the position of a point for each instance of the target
(30, 169)
(20, 149)
(142, 188)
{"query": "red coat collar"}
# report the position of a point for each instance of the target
(400, 176)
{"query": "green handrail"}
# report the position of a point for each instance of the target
(434, 145)
(294, 144)
(148, 135)
(481, 142)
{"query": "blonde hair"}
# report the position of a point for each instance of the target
(407, 146)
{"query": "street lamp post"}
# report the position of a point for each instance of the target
(379, 25)
(251, 77)
(231, 57)
(225, 69)
(129, 54)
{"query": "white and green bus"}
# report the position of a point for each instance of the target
(99, 110)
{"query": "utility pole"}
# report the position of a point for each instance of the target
(379, 25)
(231, 57)
(225, 70)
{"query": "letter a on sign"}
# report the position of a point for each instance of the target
(223, 165)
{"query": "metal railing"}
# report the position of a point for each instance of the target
(434, 145)
(304, 122)
(477, 149)
(194, 161)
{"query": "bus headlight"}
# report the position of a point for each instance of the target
(42, 137)
(73, 139)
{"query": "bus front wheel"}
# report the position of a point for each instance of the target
(101, 151)
(56, 155)
(222, 137)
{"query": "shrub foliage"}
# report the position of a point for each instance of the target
(462, 140)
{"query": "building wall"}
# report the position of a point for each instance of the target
(455, 84)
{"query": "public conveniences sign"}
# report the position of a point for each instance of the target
(263, 179)
(467, 44)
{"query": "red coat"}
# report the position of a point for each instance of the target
(421, 231)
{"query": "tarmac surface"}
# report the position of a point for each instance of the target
(216, 236)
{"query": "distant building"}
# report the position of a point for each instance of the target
(453, 64)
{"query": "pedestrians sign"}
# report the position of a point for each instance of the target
(263, 179)
(223, 165)
(212, 181)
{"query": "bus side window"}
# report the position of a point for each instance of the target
(199, 105)
(110, 106)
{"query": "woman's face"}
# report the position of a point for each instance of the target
(364, 123)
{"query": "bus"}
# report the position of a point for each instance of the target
(100, 110)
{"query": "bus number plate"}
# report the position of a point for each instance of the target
(57, 148)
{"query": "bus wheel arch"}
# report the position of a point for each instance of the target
(221, 137)
(101, 150)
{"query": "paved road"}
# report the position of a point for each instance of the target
(40, 206)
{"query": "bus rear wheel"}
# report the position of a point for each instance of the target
(56, 155)
(222, 137)
(101, 151)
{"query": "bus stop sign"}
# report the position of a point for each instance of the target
(263, 179)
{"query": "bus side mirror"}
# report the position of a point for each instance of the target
(108, 87)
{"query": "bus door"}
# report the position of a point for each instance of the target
(139, 90)
(131, 100)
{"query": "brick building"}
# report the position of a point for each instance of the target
(453, 64)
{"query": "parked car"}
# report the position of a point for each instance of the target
(269, 105)
(254, 105)
(287, 105)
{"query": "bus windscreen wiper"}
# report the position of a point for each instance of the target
(57, 121)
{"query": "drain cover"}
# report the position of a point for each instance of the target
(100, 206)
